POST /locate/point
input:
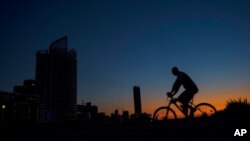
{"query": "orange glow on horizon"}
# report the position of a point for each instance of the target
(150, 103)
(218, 99)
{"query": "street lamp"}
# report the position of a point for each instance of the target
(3, 106)
(2, 115)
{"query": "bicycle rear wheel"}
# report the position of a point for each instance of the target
(164, 113)
(204, 110)
(204, 114)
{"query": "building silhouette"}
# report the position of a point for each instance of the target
(87, 112)
(18, 107)
(137, 99)
(28, 87)
(56, 81)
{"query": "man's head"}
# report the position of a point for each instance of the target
(175, 71)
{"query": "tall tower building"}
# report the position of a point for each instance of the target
(56, 80)
(137, 99)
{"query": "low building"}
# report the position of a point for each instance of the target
(18, 107)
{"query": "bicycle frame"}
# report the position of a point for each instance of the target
(174, 101)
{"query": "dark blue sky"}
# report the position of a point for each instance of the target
(125, 43)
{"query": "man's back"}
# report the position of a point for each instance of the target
(186, 81)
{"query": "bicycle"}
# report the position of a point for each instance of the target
(199, 111)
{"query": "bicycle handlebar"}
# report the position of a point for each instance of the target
(169, 95)
(171, 98)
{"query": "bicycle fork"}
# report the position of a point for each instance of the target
(166, 116)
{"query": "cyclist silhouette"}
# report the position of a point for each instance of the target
(190, 88)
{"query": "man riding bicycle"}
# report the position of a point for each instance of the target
(190, 88)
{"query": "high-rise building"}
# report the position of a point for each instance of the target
(56, 81)
(137, 100)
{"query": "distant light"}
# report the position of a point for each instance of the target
(3, 106)
(33, 84)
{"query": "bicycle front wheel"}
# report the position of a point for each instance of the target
(204, 110)
(164, 113)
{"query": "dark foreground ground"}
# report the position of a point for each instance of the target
(222, 130)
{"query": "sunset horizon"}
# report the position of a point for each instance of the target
(121, 44)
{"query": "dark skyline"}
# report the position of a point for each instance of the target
(125, 43)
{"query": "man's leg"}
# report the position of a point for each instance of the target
(185, 109)
(183, 98)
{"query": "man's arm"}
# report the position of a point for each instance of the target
(176, 86)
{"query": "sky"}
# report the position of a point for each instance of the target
(123, 43)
